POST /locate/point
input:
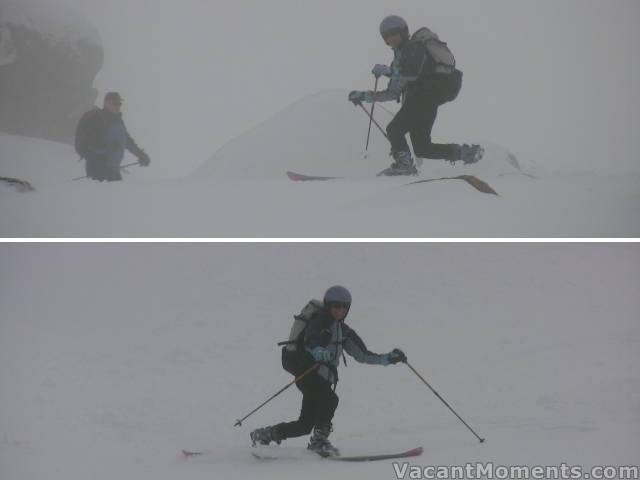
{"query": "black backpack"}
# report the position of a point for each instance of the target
(295, 359)
(82, 134)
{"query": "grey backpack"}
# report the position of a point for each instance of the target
(437, 49)
(296, 335)
(294, 358)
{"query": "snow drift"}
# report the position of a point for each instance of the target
(323, 134)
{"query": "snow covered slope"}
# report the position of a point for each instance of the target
(41, 162)
(323, 134)
(242, 191)
(114, 357)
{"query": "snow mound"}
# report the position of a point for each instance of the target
(323, 134)
(40, 162)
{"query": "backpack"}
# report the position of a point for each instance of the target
(447, 79)
(294, 357)
(437, 49)
(83, 132)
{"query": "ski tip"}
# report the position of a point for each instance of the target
(416, 452)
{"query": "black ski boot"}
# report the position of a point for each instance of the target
(403, 165)
(264, 436)
(467, 153)
(320, 444)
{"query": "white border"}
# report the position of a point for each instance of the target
(319, 240)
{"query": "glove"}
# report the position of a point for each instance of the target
(397, 355)
(394, 356)
(381, 70)
(144, 159)
(357, 97)
(321, 354)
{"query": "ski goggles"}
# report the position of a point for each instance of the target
(343, 305)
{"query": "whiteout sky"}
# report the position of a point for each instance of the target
(555, 81)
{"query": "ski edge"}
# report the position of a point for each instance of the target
(414, 452)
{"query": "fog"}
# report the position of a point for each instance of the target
(554, 81)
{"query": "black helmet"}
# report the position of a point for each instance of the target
(394, 24)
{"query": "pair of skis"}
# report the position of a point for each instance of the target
(414, 452)
(472, 180)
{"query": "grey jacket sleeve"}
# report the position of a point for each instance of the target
(410, 68)
(355, 347)
(396, 86)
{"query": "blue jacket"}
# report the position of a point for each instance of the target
(104, 134)
(337, 337)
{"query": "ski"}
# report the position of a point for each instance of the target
(414, 452)
(21, 186)
(472, 180)
(298, 177)
(190, 454)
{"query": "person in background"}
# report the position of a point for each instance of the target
(102, 138)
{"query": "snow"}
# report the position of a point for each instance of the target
(114, 357)
(242, 190)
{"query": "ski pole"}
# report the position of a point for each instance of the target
(123, 166)
(375, 123)
(302, 375)
(373, 104)
(443, 401)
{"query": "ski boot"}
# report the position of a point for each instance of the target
(467, 153)
(264, 436)
(403, 165)
(320, 444)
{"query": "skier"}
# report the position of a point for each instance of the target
(324, 339)
(101, 139)
(423, 73)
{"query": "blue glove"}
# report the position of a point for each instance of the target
(357, 97)
(321, 354)
(393, 357)
(381, 70)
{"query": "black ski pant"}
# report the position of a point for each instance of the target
(319, 403)
(98, 169)
(416, 117)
